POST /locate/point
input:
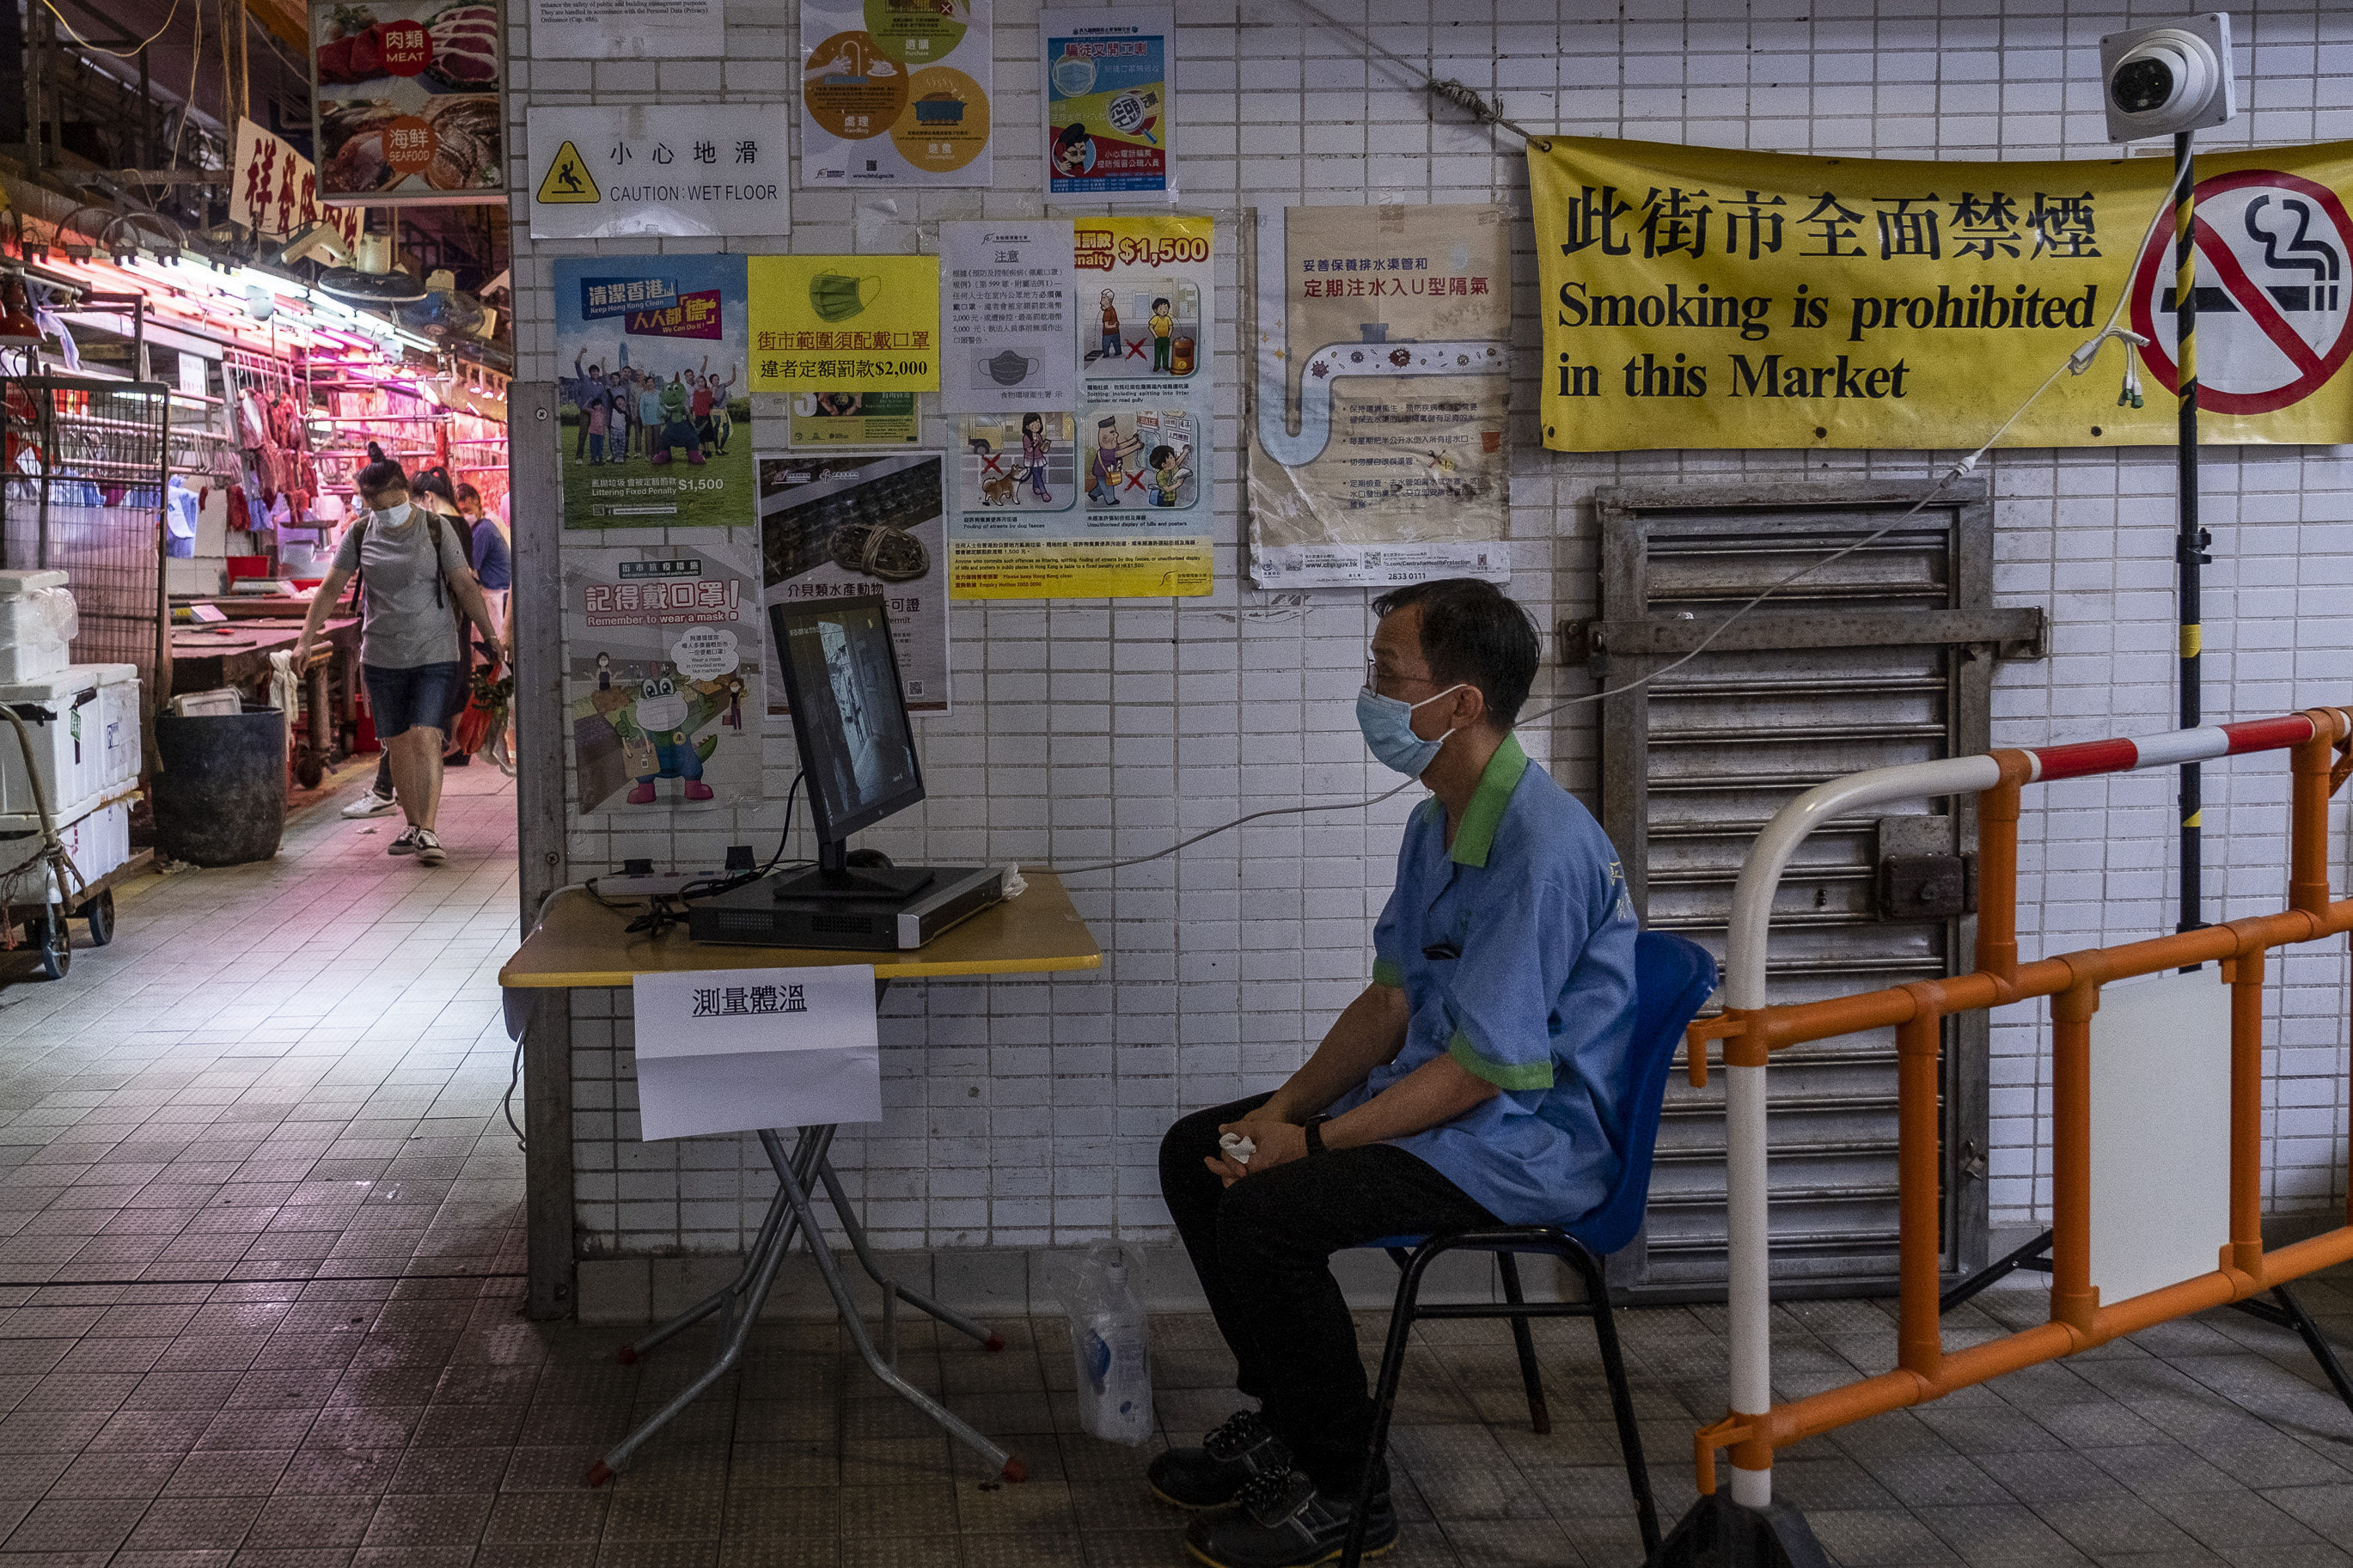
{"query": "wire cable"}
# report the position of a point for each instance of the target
(1486, 109)
(133, 53)
(2077, 363)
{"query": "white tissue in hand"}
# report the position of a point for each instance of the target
(1236, 1147)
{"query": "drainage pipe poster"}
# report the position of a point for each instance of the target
(895, 92)
(845, 323)
(1381, 397)
(1109, 134)
(663, 680)
(1006, 322)
(839, 526)
(654, 412)
(1112, 497)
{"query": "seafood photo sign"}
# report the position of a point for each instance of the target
(406, 95)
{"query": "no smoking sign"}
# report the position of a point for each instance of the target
(2275, 303)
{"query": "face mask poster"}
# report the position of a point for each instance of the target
(653, 409)
(1383, 342)
(663, 680)
(1107, 495)
(1699, 297)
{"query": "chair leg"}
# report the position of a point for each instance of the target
(1540, 1414)
(1621, 1397)
(1385, 1392)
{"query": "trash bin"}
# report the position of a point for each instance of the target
(220, 786)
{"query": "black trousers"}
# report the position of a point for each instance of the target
(1263, 1248)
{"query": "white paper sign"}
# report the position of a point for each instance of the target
(659, 169)
(1005, 317)
(734, 1051)
(626, 29)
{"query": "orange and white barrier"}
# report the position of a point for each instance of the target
(1751, 1031)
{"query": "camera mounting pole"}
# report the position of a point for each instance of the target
(2189, 546)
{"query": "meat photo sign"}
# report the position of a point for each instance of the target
(406, 93)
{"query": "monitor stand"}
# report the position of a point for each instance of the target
(835, 878)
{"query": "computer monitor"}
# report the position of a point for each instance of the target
(840, 671)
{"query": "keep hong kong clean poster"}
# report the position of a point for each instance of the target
(654, 406)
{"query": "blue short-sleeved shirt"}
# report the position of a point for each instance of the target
(1515, 949)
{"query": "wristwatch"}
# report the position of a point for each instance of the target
(1314, 1128)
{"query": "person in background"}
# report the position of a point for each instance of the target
(412, 567)
(587, 389)
(494, 556)
(722, 394)
(701, 397)
(620, 405)
(432, 489)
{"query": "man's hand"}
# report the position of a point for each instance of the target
(303, 650)
(1278, 1143)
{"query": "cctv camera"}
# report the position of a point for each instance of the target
(319, 239)
(2159, 82)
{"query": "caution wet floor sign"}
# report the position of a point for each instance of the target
(659, 169)
(1754, 299)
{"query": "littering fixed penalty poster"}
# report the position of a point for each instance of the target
(653, 411)
(1111, 497)
(895, 92)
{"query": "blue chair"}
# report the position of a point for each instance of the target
(1673, 979)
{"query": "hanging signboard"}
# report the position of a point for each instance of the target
(654, 416)
(1006, 322)
(1112, 495)
(628, 29)
(895, 92)
(405, 96)
(845, 323)
(659, 169)
(1693, 297)
(1110, 132)
(275, 191)
(838, 527)
(1382, 396)
(663, 683)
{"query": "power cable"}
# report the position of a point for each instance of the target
(133, 53)
(1486, 111)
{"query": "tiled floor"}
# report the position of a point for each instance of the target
(275, 1071)
(257, 1215)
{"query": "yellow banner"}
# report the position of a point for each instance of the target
(845, 323)
(1698, 298)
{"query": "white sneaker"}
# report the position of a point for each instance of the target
(370, 804)
(428, 848)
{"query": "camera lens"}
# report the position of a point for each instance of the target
(2142, 85)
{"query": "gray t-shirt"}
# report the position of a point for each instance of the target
(403, 627)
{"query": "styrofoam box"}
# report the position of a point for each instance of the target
(29, 647)
(98, 837)
(118, 722)
(62, 716)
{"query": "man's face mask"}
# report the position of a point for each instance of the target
(1387, 725)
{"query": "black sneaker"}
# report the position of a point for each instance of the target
(1283, 1521)
(1212, 1475)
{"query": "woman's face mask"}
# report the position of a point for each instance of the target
(394, 515)
(1388, 726)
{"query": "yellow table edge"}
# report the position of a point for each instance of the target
(589, 979)
(888, 965)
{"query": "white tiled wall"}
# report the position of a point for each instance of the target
(1023, 1115)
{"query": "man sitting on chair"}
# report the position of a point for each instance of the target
(1475, 1081)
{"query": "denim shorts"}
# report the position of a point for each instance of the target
(402, 700)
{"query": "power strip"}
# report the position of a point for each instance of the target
(638, 879)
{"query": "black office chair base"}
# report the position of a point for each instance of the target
(1504, 1243)
(1720, 1534)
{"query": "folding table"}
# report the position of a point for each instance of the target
(580, 943)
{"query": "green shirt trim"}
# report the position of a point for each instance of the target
(1476, 833)
(1503, 1074)
(1386, 972)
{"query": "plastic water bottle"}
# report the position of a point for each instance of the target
(1110, 1341)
